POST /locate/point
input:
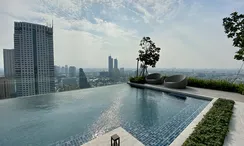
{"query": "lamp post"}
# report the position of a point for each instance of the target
(137, 66)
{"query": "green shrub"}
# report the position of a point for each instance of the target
(216, 85)
(214, 126)
(140, 80)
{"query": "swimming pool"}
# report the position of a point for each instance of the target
(75, 117)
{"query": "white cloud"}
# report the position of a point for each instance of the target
(73, 40)
(86, 32)
(144, 13)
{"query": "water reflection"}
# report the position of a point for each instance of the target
(147, 108)
(79, 116)
(35, 103)
(110, 118)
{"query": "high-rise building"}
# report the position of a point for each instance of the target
(9, 70)
(72, 71)
(57, 70)
(34, 59)
(63, 70)
(122, 71)
(8, 61)
(66, 70)
(83, 80)
(110, 65)
(116, 63)
(5, 88)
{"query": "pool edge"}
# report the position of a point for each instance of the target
(168, 90)
(180, 139)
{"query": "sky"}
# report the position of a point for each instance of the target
(189, 32)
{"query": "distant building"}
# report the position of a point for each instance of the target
(62, 70)
(122, 71)
(70, 81)
(5, 88)
(8, 61)
(9, 70)
(116, 73)
(104, 74)
(57, 70)
(110, 66)
(83, 83)
(116, 63)
(34, 59)
(66, 70)
(72, 71)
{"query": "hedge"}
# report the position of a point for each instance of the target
(214, 126)
(140, 80)
(216, 85)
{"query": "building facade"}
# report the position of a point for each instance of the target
(62, 70)
(66, 70)
(122, 71)
(9, 70)
(116, 63)
(5, 88)
(8, 61)
(83, 83)
(34, 59)
(72, 71)
(110, 65)
(56, 70)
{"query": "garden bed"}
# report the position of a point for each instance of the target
(139, 80)
(216, 85)
(214, 126)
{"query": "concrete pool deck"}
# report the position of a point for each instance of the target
(126, 139)
(235, 135)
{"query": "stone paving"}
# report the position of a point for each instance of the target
(235, 136)
(126, 139)
(209, 92)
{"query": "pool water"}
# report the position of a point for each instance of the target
(76, 117)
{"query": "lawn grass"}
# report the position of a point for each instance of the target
(214, 126)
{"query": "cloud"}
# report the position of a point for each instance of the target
(190, 33)
(144, 13)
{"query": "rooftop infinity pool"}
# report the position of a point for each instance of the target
(76, 117)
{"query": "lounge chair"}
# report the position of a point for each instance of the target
(176, 81)
(154, 78)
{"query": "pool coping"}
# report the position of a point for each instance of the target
(105, 140)
(180, 139)
(168, 90)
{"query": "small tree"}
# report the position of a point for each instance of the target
(148, 55)
(234, 28)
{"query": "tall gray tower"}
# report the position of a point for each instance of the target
(110, 66)
(9, 70)
(8, 61)
(115, 63)
(34, 59)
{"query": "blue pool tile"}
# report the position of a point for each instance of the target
(160, 134)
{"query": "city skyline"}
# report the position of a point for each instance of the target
(173, 26)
